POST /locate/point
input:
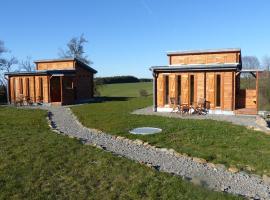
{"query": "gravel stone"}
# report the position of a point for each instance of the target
(216, 178)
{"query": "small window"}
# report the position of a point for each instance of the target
(218, 90)
(68, 83)
(167, 96)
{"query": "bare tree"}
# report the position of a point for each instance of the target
(75, 49)
(266, 62)
(7, 66)
(2, 50)
(250, 62)
(27, 64)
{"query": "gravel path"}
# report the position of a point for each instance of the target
(209, 175)
(243, 120)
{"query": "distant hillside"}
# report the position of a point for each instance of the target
(120, 79)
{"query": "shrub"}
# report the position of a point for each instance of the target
(143, 93)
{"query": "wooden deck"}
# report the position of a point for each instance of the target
(246, 111)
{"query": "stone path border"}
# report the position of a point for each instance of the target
(250, 121)
(196, 170)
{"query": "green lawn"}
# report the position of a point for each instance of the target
(218, 142)
(36, 163)
(125, 90)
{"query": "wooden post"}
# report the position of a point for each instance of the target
(155, 75)
(35, 100)
(61, 84)
(257, 90)
(49, 88)
(234, 91)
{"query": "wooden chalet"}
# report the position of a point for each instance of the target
(57, 81)
(213, 75)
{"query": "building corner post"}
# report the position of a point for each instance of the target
(7, 89)
(155, 75)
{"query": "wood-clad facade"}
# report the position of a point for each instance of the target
(213, 75)
(59, 81)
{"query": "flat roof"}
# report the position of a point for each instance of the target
(197, 67)
(200, 51)
(41, 72)
(54, 60)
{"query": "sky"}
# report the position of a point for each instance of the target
(126, 37)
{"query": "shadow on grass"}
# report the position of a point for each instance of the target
(105, 99)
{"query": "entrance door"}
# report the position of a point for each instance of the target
(55, 89)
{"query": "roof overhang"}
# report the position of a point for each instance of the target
(197, 67)
(42, 72)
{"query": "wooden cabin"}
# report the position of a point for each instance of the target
(213, 75)
(58, 81)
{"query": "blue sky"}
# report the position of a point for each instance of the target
(126, 37)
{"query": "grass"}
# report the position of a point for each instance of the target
(218, 142)
(36, 163)
(125, 90)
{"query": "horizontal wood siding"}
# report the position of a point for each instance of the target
(55, 65)
(205, 58)
(83, 83)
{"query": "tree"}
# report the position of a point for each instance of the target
(27, 64)
(7, 65)
(75, 49)
(266, 62)
(2, 50)
(250, 62)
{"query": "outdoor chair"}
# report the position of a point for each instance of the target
(175, 107)
(184, 109)
(39, 100)
(200, 107)
(19, 100)
(28, 100)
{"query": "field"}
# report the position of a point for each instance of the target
(218, 142)
(36, 163)
(125, 90)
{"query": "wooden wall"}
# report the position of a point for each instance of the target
(206, 58)
(34, 87)
(84, 83)
(247, 98)
(204, 87)
(59, 65)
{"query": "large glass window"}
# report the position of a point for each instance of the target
(191, 90)
(27, 86)
(178, 89)
(167, 94)
(21, 85)
(40, 89)
(218, 90)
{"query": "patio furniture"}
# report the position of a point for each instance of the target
(200, 107)
(19, 100)
(28, 101)
(175, 107)
(184, 109)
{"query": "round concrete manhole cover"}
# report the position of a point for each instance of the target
(145, 131)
